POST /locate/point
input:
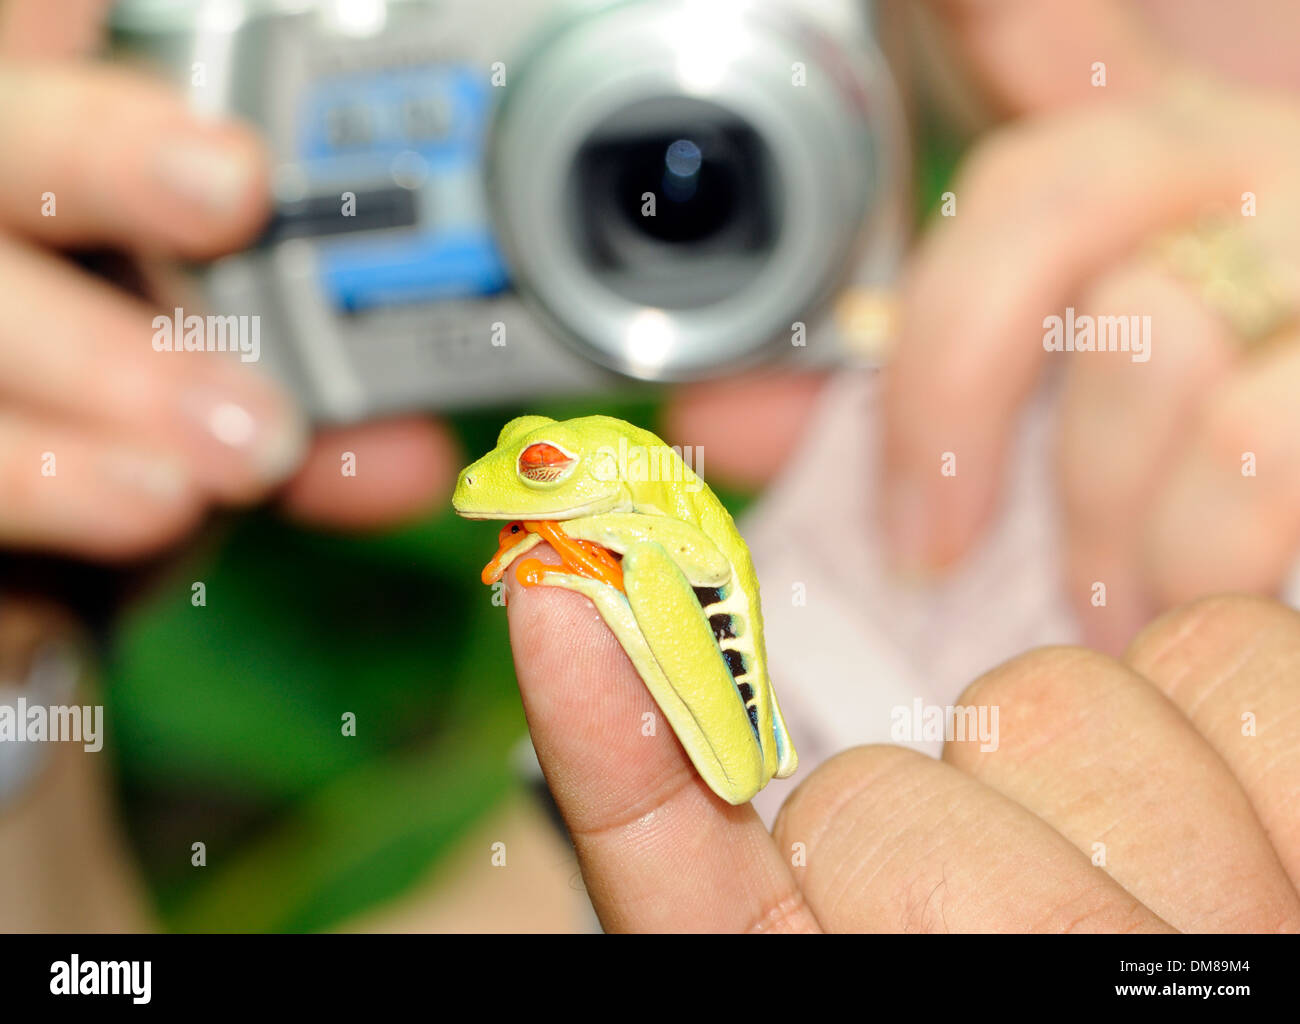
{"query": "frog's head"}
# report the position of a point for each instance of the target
(543, 469)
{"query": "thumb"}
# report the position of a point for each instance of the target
(659, 851)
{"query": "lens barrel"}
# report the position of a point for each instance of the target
(676, 183)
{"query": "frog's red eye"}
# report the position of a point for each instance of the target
(545, 463)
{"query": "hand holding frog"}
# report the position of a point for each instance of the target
(1177, 766)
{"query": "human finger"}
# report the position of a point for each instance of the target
(73, 347)
(1040, 212)
(894, 841)
(94, 495)
(100, 155)
(1228, 517)
(1098, 753)
(1232, 665)
(1123, 423)
(659, 850)
(373, 474)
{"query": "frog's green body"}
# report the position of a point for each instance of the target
(689, 618)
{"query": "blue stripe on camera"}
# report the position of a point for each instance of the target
(420, 129)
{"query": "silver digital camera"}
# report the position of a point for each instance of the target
(478, 201)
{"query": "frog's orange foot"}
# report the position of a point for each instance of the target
(580, 557)
(510, 535)
(529, 572)
(577, 557)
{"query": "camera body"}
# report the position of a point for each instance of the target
(479, 201)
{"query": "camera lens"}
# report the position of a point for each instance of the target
(700, 189)
(675, 200)
(666, 198)
(693, 200)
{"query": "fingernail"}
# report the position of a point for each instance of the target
(206, 171)
(158, 477)
(908, 527)
(246, 434)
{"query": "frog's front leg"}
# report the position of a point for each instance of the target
(690, 549)
(660, 624)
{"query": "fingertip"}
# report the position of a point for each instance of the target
(658, 849)
(120, 159)
(934, 509)
(565, 656)
(373, 475)
(219, 172)
(720, 417)
(108, 497)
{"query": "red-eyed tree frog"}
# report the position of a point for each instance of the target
(642, 536)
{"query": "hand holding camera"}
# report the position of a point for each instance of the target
(109, 449)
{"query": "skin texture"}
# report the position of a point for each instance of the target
(614, 484)
(1145, 754)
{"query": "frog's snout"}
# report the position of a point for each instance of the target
(461, 496)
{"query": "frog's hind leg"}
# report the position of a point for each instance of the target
(662, 628)
(721, 740)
